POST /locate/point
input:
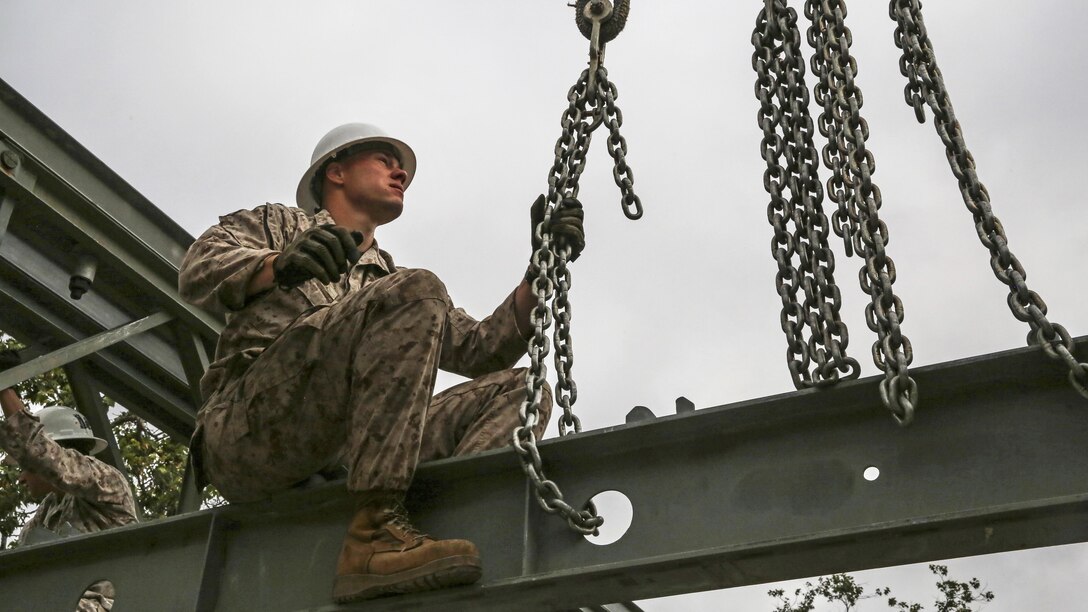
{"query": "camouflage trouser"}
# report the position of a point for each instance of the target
(351, 384)
(98, 597)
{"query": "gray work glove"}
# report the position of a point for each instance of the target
(321, 252)
(566, 224)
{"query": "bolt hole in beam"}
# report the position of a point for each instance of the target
(618, 513)
(871, 473)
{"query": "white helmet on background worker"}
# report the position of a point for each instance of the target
(67, 427)
(342, 138)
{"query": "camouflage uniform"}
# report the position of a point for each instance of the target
(93, 496)
(342, 373)
(98, 597)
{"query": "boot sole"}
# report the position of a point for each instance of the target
(438, 574)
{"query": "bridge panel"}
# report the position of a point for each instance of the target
(753, 492)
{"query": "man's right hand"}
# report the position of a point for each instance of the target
(321, 252)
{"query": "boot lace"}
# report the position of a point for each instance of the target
(398, 515)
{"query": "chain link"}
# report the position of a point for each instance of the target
(617, 146)
(787, 132)
(926, 87)
(858, 197)
(586, 111)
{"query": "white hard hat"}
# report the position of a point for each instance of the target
(66, 424)
(337, 140)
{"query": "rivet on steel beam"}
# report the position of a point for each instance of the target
(10, 160)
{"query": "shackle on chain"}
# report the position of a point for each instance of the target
(599, 21)
(602, 13)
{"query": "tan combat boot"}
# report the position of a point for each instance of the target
(383, 554)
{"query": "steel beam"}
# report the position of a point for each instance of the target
(45, 286)
(148, 397)
(753, 492)
(195, 360)
(58, 203)
(89, 402)
(7, 206)
(80, 349)
(87, 199)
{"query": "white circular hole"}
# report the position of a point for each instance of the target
(871, 473)
(617, 512)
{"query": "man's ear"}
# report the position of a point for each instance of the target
(334, 173)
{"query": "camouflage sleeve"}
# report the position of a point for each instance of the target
(217, 267)
(473, 348)
(70, 471)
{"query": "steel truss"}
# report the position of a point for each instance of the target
(62, 210)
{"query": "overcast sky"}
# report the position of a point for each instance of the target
(210, 107)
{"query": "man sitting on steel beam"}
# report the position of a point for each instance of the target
(76, 493)
(329, 356)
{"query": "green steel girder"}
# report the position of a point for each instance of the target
(89, 402)
(78, 350)
(93, 204)
(753, 492)
(60, 204)
(117, 373)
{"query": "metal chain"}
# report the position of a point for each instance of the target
(852, 188)
(591, 102)
(840, 185)
(617, 146)
(549, 271)
(586, 111)
(787, 132)
(926, 84)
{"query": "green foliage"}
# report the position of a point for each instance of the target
(15, 506)
(49, 389)
(844, 591)
(837, 588)
(958, 595)
(155, 465)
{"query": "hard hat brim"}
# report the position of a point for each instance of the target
(99, 444)
(304, 197)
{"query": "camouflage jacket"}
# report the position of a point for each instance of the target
(219, 265)
(92, 495)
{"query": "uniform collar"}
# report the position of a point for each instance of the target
(374, 255)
